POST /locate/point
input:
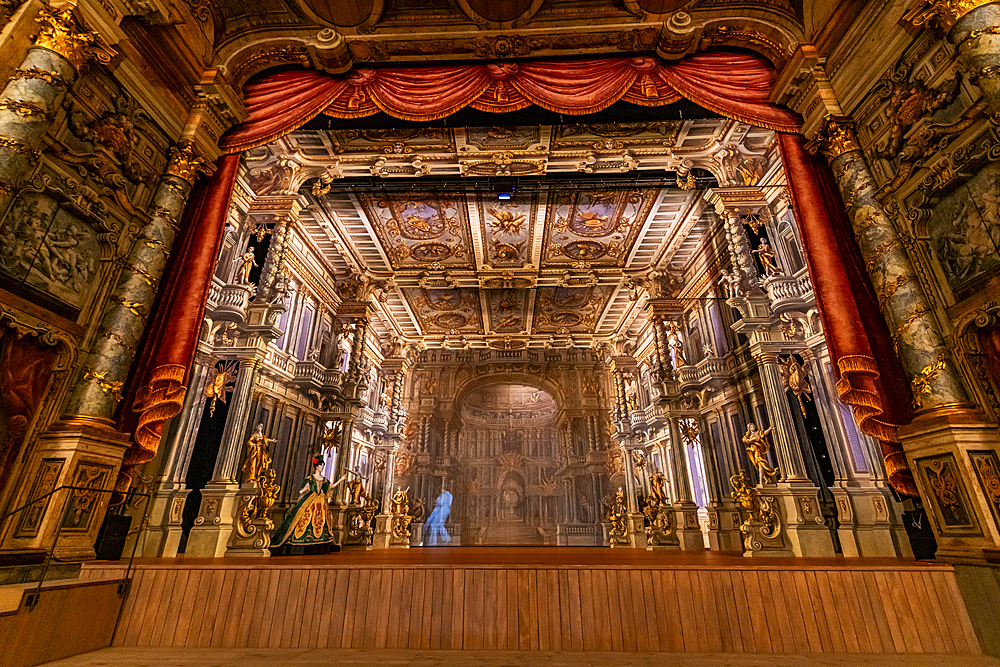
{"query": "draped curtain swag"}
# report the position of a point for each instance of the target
(736, 85)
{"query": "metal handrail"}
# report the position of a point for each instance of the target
(50, 553)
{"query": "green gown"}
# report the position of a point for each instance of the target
(310, 520)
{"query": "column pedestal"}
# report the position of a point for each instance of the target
(214, 526)
(689, 534)
(388, 533)
(955, 458)
(870, 526)
(75, 451)
(637, 531)
(163, 533)
(724, 528)
(805, 532)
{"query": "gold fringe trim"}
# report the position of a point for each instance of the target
(229, 148)
(158, 401)
(867, 407)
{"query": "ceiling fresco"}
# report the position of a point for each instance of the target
(446, 310)
(508, 227)
(594, 227)
(605, 202)
(426, 231)
(567, 310)
(508, 310)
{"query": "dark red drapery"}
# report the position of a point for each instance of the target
(157, 388)
(736, 85)
(869, 375)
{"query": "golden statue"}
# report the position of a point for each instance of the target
(768, 258)
(656, 490)
(399, 504)
(220, 386)
(793, 377)
(757, 446)
(257, 457)
(356, 491)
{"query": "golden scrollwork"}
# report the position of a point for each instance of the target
(922, 381)
(906, 324)
(107, 386)
(186, 163)
(59, 34)
(116, 337)
(133, 307)
(941, 14)
(835, 138)
(890, 288)
(6, 187)
(764, 519)
(20, 148)
(53, 78)
(25, 109)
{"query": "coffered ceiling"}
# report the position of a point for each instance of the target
(588, 206)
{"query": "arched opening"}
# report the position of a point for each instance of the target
(507, 487)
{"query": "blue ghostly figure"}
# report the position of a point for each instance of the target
(434, 527)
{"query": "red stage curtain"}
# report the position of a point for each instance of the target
(737, 85)
(157, 387)
(869, 376)
(25, 369)
(280, 102)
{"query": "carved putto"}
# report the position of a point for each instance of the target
(359, 287)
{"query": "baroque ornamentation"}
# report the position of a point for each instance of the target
(941, 14)
(258, 470)
(186, 163)
(59, 34)
(922, 383)
(764, 520)
(835, 138)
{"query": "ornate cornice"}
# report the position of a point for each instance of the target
(835, 138)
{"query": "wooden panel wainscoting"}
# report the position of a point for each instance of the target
(794, 606)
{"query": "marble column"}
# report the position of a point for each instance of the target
(949, 443)
(34, 94)
(128, 307)
(914, 329)
(214, 524)
(973, 26)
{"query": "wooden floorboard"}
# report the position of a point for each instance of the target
(598, 601)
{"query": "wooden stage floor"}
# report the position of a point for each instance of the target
(545, 599)
(532, 557)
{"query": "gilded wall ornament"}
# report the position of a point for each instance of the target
(794, 379)
(922, 382)
(941, 14)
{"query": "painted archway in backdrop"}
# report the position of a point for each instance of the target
(734, 84)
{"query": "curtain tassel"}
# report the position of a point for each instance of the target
(648, 87)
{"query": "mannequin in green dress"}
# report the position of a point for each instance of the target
(310, 520)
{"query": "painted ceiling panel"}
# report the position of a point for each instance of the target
(420, 231)
(595, 227)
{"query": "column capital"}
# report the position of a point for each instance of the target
(835, 138)
(59, 33)
(941, 14)
(186, 163)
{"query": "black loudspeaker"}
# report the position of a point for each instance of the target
(918, 529)
(112, 536)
